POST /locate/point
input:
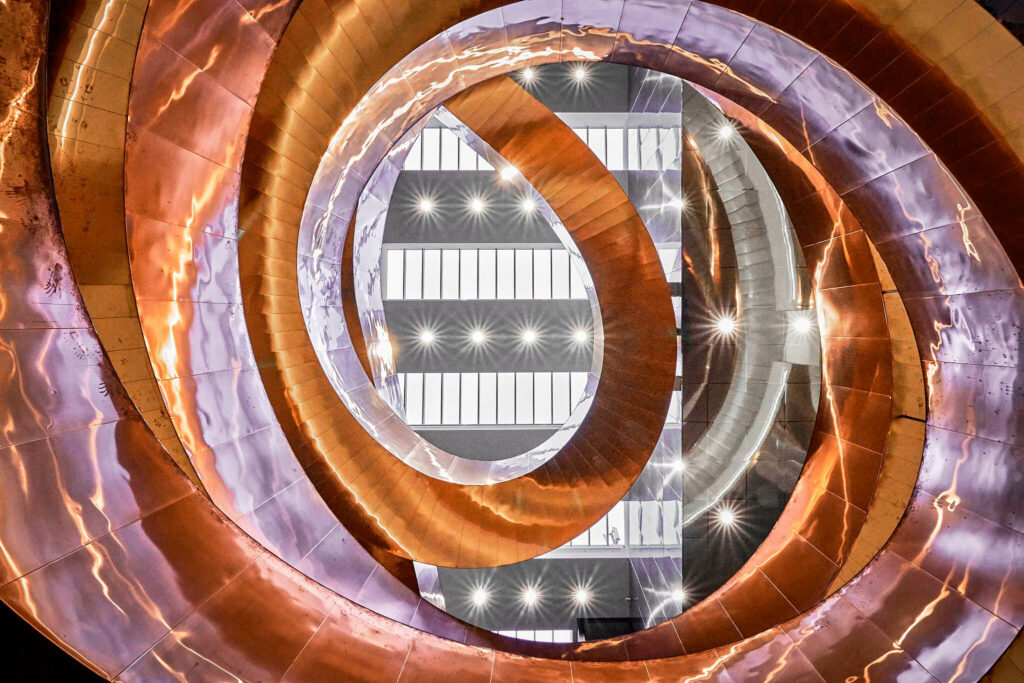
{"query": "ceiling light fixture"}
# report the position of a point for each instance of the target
(530, 596)
(726, 131)
(581, 336)
(478, 337)
(678, 203)
(530, 336)
(528, 205)
(581, 596)
(580, 74)
(508, 173)
(803, 324)
(477, 205)
(679, 595)
(528, 74)
(726, 325)
(725, 517)
(427, 337)
(480, 596)
(425, 205)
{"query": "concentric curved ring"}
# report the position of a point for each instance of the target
(894, 618)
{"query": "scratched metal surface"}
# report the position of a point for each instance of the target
(938, 601)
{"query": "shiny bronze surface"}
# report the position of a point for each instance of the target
(941, 600)
(439, 519)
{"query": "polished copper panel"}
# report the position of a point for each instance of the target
(409, 511)
(823, 123)
(182, 231)
(857, 633)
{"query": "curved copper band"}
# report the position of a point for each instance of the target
(697, 17)
(150, 568)
(448, 524)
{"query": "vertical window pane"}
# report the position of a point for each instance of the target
(506, 398)
(675, 408)
(633, 148)
(559, 274)
(582, 132)
(670, 523)
(633, 515)
(649, 149)
(542, 274)
(577, 290)
(616, 153)
(617, 524)
(506, 274)
(488, 398)
(470, 398)
(414, 398)
(449, 150)
(650, 521)
(413, 274)
(595, 139)
(668, 142)
(467, 274)
(560, 397)
(579, 384)
(450, 274)
(450, 397)
(483, 165)
(467, 157)
(396, 273)
(599, 532)
(488, 274)
(524, 398)
(671, 263)
(432, 398)
(412, 160)
(542, 398)
(431, 149)
(431, 273)
(524, 273)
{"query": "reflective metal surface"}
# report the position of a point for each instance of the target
(942, 599)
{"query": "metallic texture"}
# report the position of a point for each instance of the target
(514, 520)
(92, 56)
(171, 588)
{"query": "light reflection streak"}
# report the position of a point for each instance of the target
(88, 60)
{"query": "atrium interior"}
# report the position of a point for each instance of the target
(532, 340)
